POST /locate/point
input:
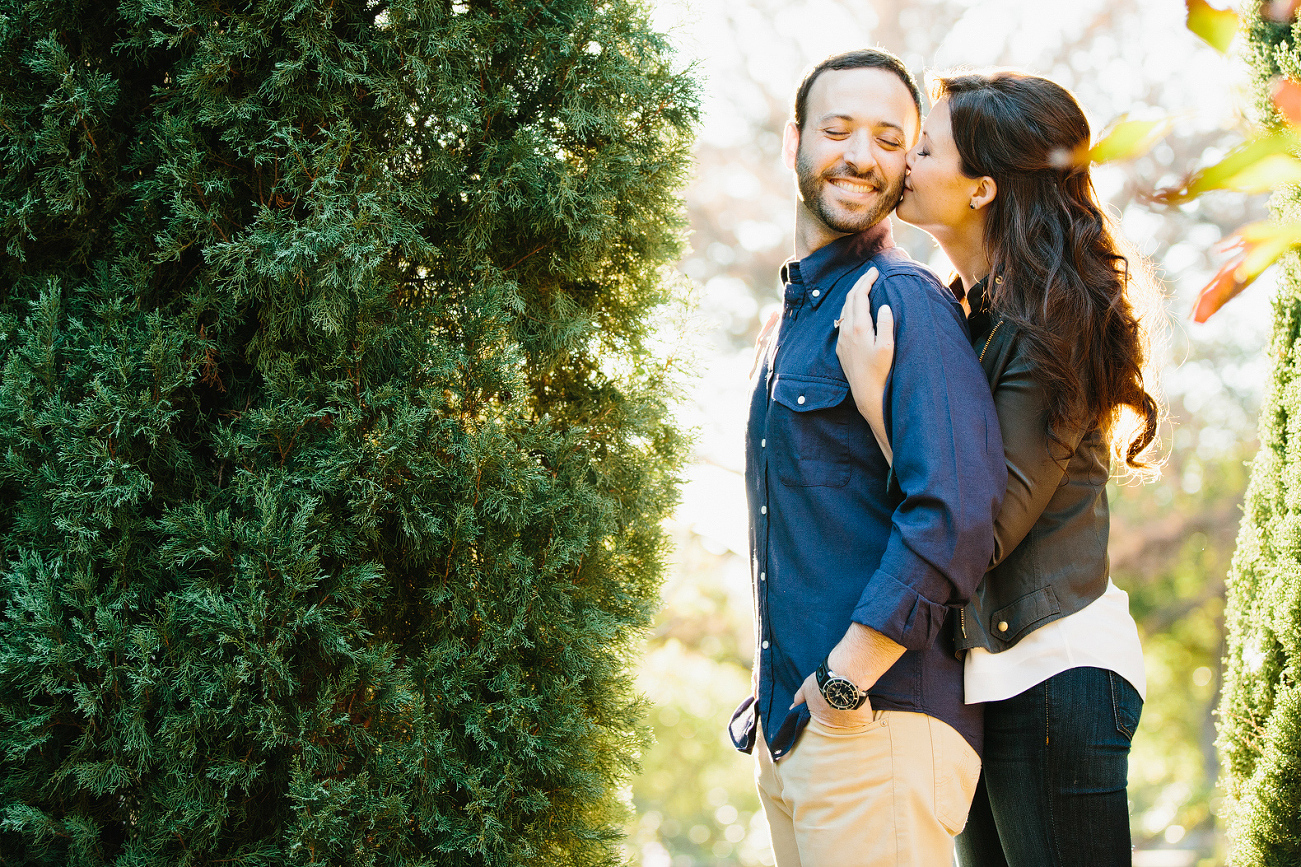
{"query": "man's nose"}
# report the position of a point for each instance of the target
(859, 154)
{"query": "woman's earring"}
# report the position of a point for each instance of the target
(973, 206)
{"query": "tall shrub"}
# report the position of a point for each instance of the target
(1260, 715)
(333, 448)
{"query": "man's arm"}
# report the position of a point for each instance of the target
(863, 655)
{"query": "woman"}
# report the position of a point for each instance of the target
(1000, 178)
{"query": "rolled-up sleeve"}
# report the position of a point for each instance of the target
(948, 461)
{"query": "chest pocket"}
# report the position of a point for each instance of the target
(808, 431)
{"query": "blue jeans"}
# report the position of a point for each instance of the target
(1052, 783)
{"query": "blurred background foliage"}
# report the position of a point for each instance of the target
(1171, 539)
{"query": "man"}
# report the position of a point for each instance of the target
(867, 754)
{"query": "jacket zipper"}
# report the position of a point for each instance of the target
(990, 338)
(962, 621)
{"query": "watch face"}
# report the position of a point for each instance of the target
(840, 693)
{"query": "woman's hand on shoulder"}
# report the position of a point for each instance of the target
(866, 354)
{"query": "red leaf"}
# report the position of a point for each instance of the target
(1223, 287)
(1280, 10)
(1287, 96)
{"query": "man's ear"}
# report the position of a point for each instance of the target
(790, 144)
(986, 191)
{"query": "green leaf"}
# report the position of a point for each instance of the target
(1265, 242)
(1128, 139)
(1265, 175)
(1258, 165)
(1216, 26)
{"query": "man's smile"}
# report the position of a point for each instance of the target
(853, 186)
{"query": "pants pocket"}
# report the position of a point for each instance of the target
(957, 770)
(831, 731)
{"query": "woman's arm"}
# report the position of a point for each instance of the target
(1034, 471)
(866, 354)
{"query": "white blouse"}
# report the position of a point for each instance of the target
(1102, 634)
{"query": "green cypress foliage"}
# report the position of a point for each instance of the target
(1260, 714)
(334, 438)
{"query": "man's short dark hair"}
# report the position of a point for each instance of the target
(863, 58)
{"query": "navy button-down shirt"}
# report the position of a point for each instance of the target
(834, 537)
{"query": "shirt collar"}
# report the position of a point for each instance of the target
(977, 298)
(820, 270)
(978, 320)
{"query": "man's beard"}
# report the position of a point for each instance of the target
(812, 187)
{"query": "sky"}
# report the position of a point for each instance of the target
(793, 35)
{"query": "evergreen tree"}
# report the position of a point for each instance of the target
(1260, 714)
(333, 441)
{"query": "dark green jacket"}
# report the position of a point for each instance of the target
(1050, 537)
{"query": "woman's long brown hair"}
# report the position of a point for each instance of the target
(1056, 269)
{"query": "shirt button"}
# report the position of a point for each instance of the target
(763, 510)
(765, 645)
(763, 576)
(763, 443)
(801, 399)
(1002, 626)
(815, 293)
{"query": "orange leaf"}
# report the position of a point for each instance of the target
(1224, 286)
(1287, 96)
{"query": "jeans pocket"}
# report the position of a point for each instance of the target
(1126, 705)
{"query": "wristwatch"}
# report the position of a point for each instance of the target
(840, 692)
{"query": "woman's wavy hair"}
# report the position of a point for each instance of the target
(1057, 270)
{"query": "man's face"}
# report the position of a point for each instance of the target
(849, 159)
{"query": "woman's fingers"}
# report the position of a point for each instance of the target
(858, 303)
(885, 331)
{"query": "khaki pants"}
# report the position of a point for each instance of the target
(889, 793)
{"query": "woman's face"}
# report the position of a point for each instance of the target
(937, 196)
